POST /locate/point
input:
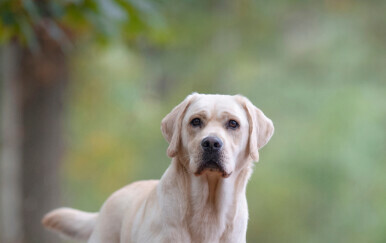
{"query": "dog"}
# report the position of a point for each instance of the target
(201, 198)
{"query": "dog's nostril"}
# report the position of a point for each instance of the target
(205, 144)
(211, 143)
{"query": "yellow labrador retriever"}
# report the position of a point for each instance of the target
(213, 141)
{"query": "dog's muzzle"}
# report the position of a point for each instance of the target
(212, 156)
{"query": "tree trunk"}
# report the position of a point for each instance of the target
(42, 78)
(10, 161)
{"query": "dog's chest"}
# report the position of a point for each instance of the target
(207, 225)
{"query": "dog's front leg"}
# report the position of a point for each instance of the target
(236, 234)
(237, 230)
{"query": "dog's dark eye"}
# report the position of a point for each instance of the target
(233, 124)
(196, 122)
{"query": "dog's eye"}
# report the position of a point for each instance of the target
(196, 122)
(233, 124)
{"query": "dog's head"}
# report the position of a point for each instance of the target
(216, 133)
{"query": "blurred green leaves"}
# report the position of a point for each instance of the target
(63, 20)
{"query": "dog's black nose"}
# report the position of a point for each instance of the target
(211, 143)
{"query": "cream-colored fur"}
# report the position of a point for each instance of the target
(184, 206)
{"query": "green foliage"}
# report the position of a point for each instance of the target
(103, 20)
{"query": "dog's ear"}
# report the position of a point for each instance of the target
(171, 125)
(260, 128)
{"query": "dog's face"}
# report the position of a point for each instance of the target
(216, 133)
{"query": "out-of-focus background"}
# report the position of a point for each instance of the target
(85, 84)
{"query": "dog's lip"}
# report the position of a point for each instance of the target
(211, 164)
(212, 167)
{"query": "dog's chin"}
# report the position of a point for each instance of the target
(212, 168)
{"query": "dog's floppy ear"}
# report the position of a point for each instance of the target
(171, 125)
(260, 128)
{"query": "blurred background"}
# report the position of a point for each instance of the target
(85, 83)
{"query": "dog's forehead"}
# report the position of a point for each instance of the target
(216, 105)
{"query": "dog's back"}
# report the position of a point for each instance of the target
(84, 226)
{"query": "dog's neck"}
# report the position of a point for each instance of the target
(210, 202)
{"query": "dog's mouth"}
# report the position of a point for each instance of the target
(212, 166)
